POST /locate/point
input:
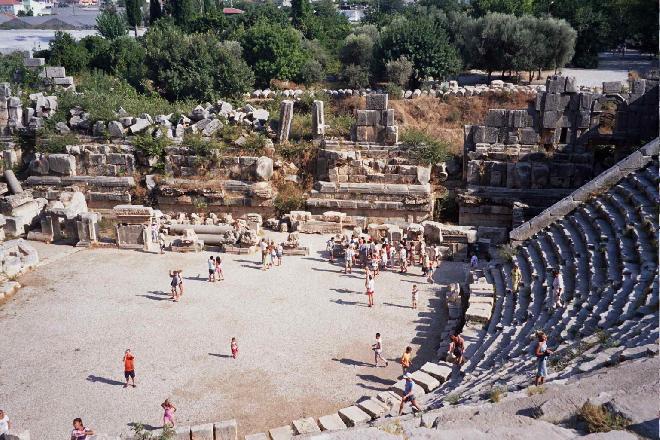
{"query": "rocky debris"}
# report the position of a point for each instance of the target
(264, 168)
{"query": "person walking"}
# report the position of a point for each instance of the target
(234, 348)
(556, 290)
(211, 263)
(161, 242)
(406, 359)
(129, 367)
(348, 259)
(264, 249)
(280, 253)
(403, 258)
(378, 351)
(414, 296)
(370, 284)
(168, 413)
(218, 269)
(174, 284)
(329, 247)
(5, 425)
(515, 279)
(79, 431)
(408, 394)
(542, 352)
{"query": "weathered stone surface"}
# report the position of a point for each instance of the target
(353, 416)
(426, 381)
(264, 168)
(139, 125)
(12, 182)
(423, 174)
(182, 433)
(373, 407)
(332, 422)
(432, 231)
(257, 436)
(305, 426)
(441, 371)
(64, 164)
(225, 430)
(318, 118)
(281, 433)
(202, 432)
(286, 116)
(55, 72)
(377, 101)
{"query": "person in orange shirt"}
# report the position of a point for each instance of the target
(406, 359)
(129, 368)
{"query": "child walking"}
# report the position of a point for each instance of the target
(218, 269)
(414, 296)
(378, 351)
(234, 348)
(168, 415)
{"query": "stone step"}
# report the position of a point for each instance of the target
(331, 422)
(225, 430)
(305, 426)
(281, 433)
(374, 407)
(425, 380)
(399, 387)
(202, 432)
(353, 416)
(441, 371)
(257, 436)
(389, 398)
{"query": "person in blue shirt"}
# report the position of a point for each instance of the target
(408, 395)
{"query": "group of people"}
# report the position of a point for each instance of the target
(369, 254)
(215, 269)
(271, 254)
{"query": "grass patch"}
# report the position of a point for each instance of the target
(496, 394)
(453, 399)
(600, 418)
(289, 198)
(534, 390)
(151, 146)
(338, 125)
(54, 143)
(424, 147)
(140, 433)
(507, 252)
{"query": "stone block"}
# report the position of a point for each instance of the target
(331, 422)
(202, 432)
(426, 381)
(305, 426)
(551, 102)
(495, 118)
(391, 135)
(264, 168)
(286, 116)
(353, 416)
(367, 117)
(550, 119)
(377, 101)
(182, 433)
(55, 72)
(34, 62)
(257, 436)
(64, 81)
(225, 430)
(139, 125)
(281, 433)
(389, 398)
(387, 117)
(373, 407)
(64, 164)
(442, 372)
(318, 118)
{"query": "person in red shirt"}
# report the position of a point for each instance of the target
(129, 368)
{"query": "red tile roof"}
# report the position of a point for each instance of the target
(9, 2)
(228, 11)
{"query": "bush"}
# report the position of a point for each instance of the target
(12, 70)
(394, 91)
(289, 198)
(168, 433)
(453, 399)
(424, 147)
(65, 51)
(255, 143)
(338, 125)
(355, 76)
(151, 146)
(111, 25)
(533, 390)
(399, 71)
(54, 143)
(496, 394)
(201, 146)
(311, 72)
(600, 418)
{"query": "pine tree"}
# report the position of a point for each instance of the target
(134, 13)
(155, 11)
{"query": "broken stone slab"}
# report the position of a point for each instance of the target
(202, 432)
(318, 118)
(373, 407)
(115, 129)
(55, 72)
(12, 182)
(139, 125)
(441, 371)
(225, 430)
(264, 168)
(281, 433)
(305, 426)
(64, 164)
(331, 422)
(389, 398)
(286, 116)
(353, 416)
(426, 381)
(182, 433)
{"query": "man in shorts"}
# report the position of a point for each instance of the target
(408, 395)
(348, 259)
(129, 367)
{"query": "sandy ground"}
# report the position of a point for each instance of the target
(303, 329)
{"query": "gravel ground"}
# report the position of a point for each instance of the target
(303, 329)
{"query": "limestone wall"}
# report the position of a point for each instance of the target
(599, 185)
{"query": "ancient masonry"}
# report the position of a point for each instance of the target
(372, 177)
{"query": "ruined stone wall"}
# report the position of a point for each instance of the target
(537, 155)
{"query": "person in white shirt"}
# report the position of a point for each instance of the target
(5, 425)
(557, 289)
(370, 285)
(378, 351)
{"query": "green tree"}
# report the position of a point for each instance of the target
(424, 42)
(128, 58)
(182, 11)
(155, 11)
(134, 14)
(560, 42)
(301, 15)
(65, 51)
(197, 66)
(100, 55)
(357, 49)
(273, 52)
(12, 70)
(355, 76)
(515, 7)
(111, 25)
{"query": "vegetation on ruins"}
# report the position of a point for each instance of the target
(425, 148)
(601, 418)
(289, 198)
(140, 433)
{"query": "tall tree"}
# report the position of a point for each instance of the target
(110, 24)
(134, 14)
(182, 11)
(301, 15)
(155, 11)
